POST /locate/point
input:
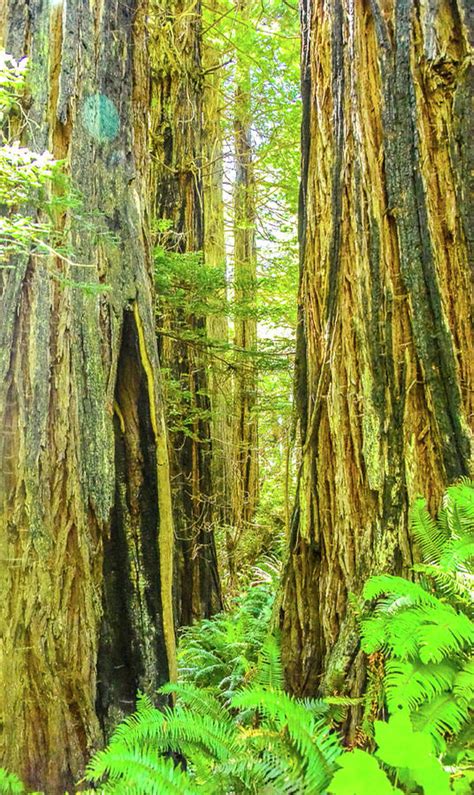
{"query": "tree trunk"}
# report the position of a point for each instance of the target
(85, 505)
(385, 354)
(220, 373)
(177, 152)
(245, 476)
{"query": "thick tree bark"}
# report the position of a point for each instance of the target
(245, 475)
(177, 185)
(385, 347)
(85, 505)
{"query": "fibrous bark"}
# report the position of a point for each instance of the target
(85, 507)
(220, 374)
(177, 187)
(385, 346)
(245, 464)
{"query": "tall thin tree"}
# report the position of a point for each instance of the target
(177, 150)
(245, 476)
(220, 371)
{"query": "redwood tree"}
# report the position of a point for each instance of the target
(85, 510)
(177, 188)
(385, 354)
(245, 464)
(217, 326)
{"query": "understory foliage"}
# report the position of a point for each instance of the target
(222, 653)
(233, 729)
(35, 194)
(425, 632)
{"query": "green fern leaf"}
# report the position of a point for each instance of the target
(464, 683)
(443, 715)
(139, 772)
(198, 699)
(430, 535)
(269, 668)
(9, 783)
(409, 684)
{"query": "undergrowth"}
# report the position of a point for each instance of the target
(234, 729)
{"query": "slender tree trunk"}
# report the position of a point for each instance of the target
(385, 353)
(245, 478)
(177, 152)
(85, 507)
(220, 374)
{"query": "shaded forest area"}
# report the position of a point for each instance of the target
(236, 397)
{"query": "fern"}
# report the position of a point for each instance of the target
(430, 535)
(310, 742)
(443, 715)
(138, 770)
(425, 629)
(9, 783)
(199, 699)
(269, 672)
(239, 732)
(222, 653)
(409, 684)
(267, 742)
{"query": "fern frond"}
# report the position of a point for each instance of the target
(9, 783)
(458, 554)
(139, 772)
(269, 667)
(430, 535)
(451, 585)
(409, 684)
(198, 699)
(397, 593)
(248, 774)
(443, 715)
(146, 715)
(461, 494)
(444, 633)
(181, 727)
(464, 683)
(315, 745)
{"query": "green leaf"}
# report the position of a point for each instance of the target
(412, 752)
(360, 774)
